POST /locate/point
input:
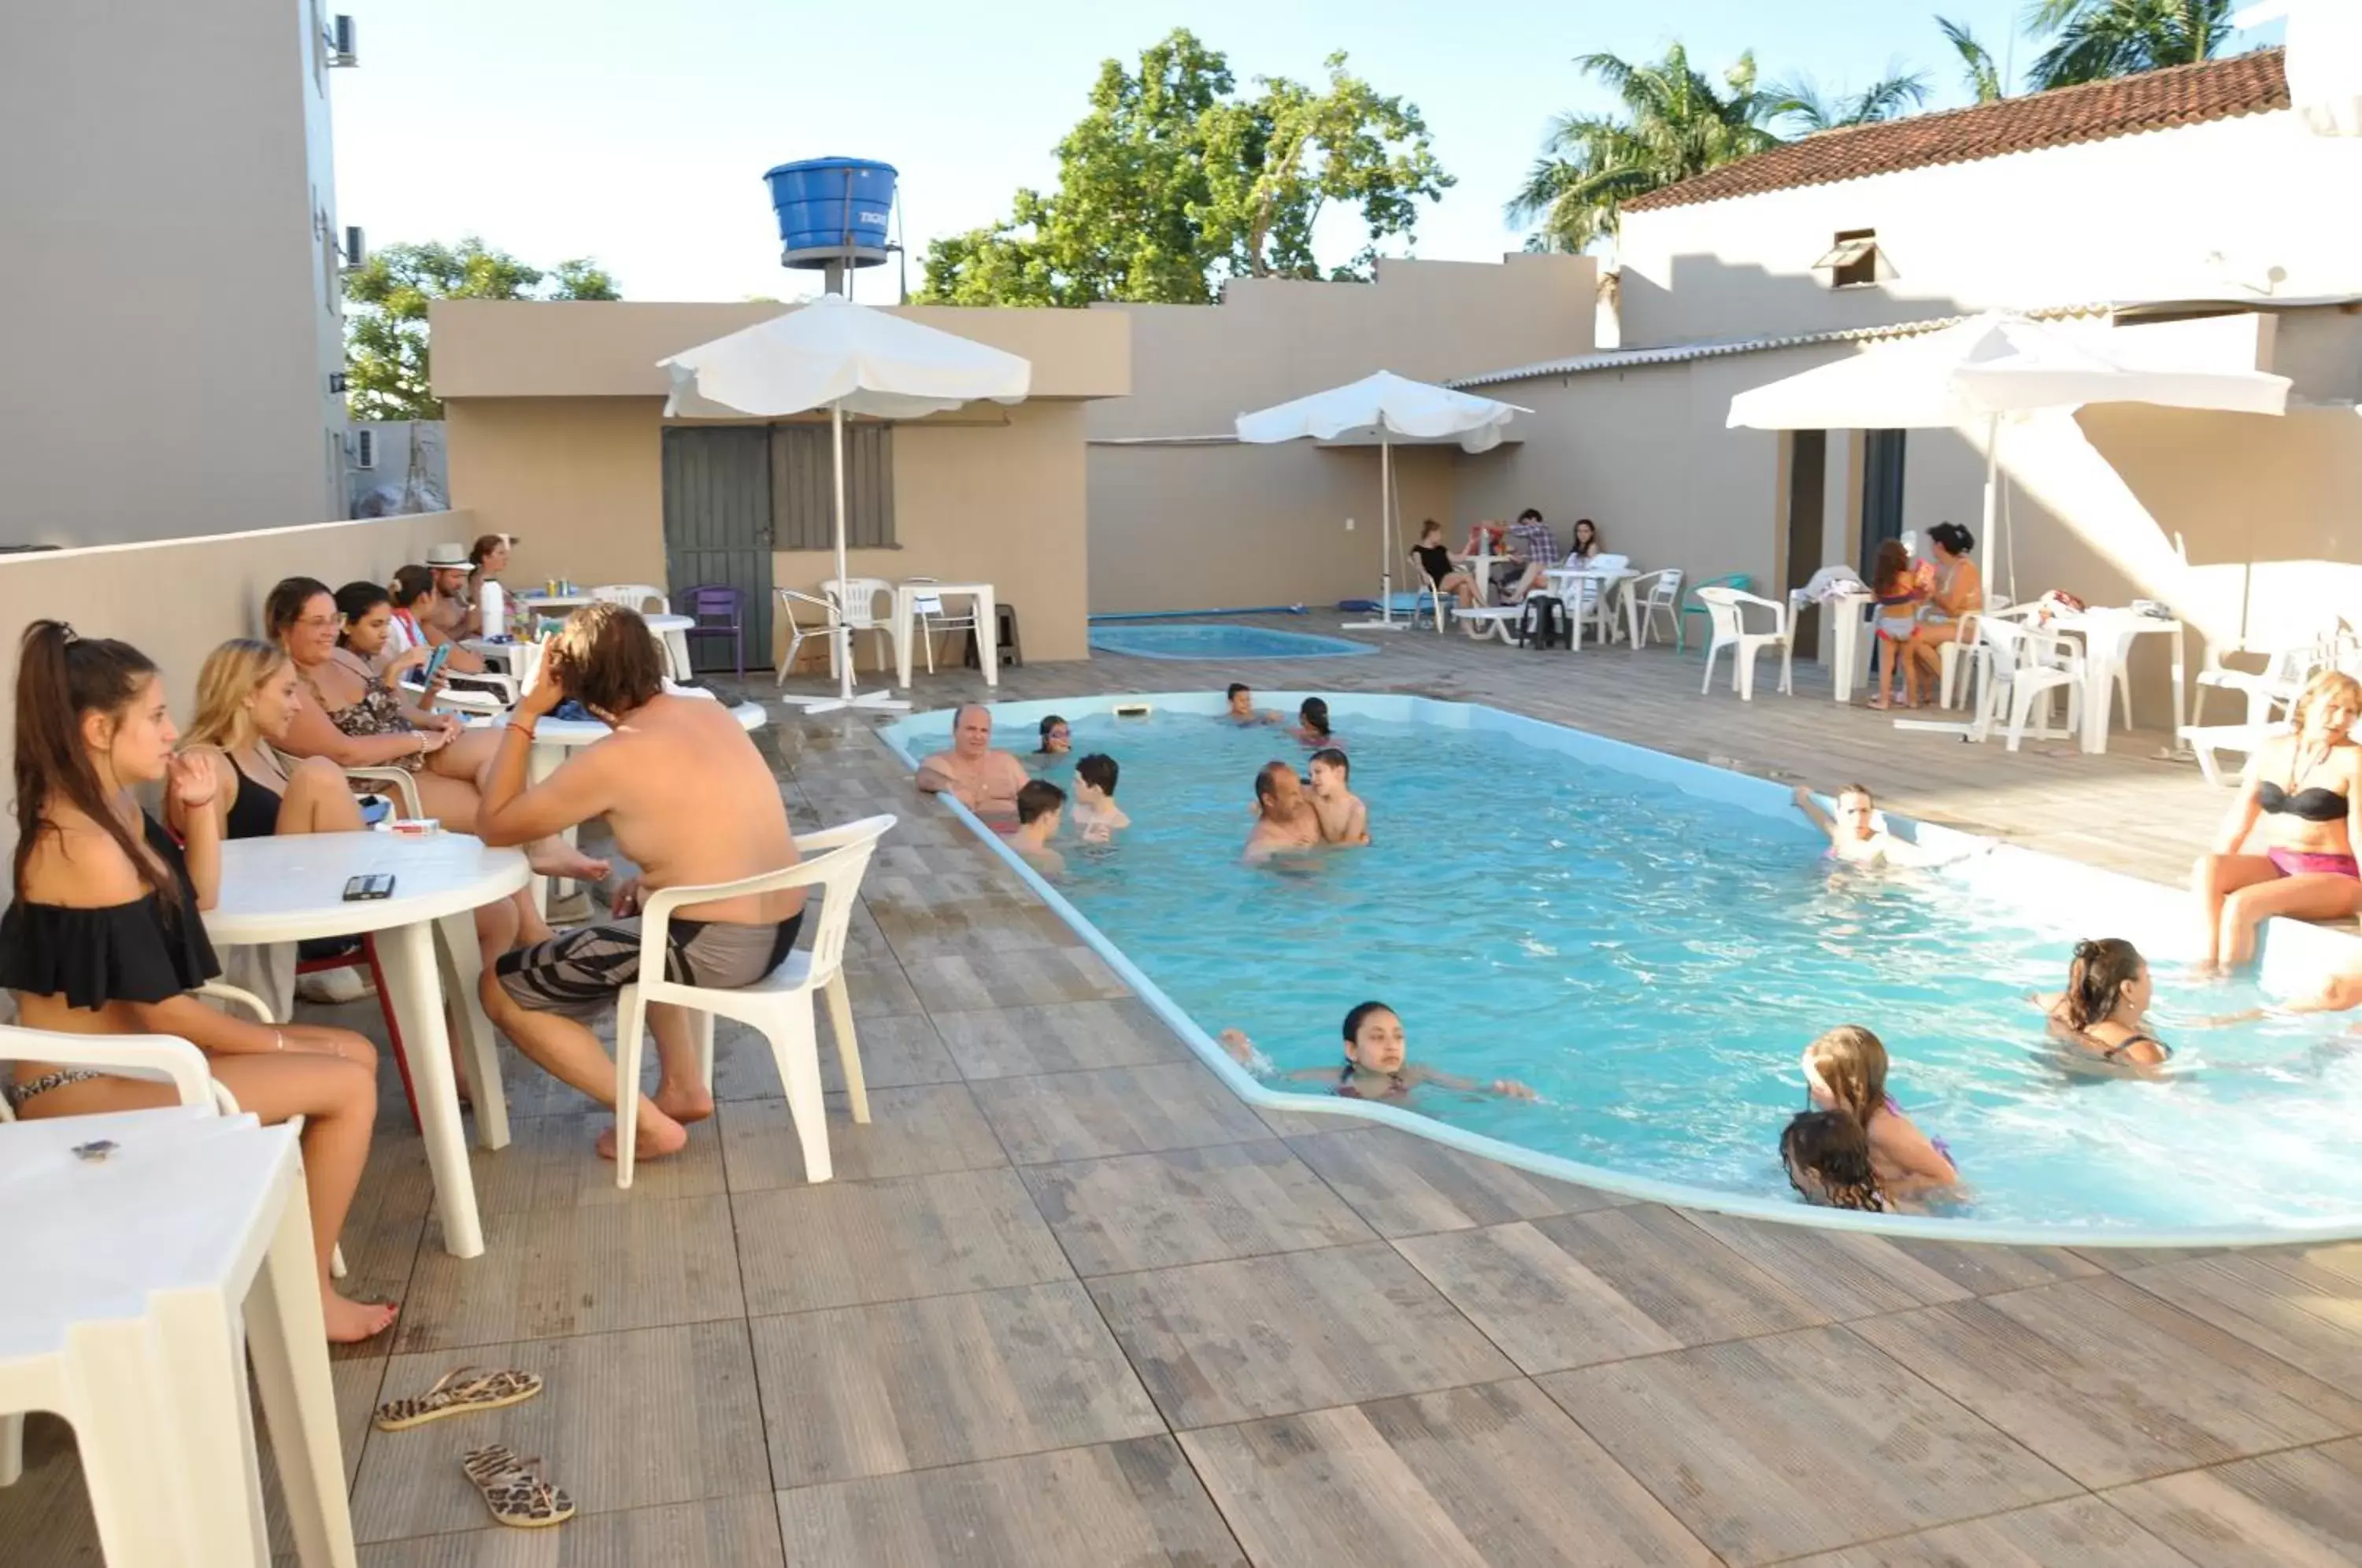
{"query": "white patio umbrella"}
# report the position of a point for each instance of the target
(1383, 406)
(2324, 60)
(851, 359)
(1984, 368)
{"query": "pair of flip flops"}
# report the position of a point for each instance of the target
(515, 1490)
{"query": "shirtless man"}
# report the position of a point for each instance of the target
(691, 803)
(1856, 835)
(1342, 817)
(448, 617)
(1283, 818)
(984, 780)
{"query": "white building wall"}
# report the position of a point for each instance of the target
(173, 311)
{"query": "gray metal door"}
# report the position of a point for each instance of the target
(717, 524)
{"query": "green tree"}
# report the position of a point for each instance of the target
(1978, 68)
(385, 324)
(1676, 124)
(1800, 99)
(1174, 182)
(2092, 40)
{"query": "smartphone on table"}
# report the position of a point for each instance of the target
(369, 885)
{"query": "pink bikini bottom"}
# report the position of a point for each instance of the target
(2306, 862)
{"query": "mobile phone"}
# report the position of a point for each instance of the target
(436, 661)
(373, 885)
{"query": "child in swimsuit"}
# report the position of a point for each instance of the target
(1899, 593)
(1828, 1156)
(1845, 1069)
(1377, 1067)
(2102, 1012)
(1096, 816)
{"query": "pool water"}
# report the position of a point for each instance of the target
(1213, 640)
(1653, 962)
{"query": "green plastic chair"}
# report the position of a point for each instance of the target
(1690, 606)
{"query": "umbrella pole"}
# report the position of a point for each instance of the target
(1993, 532)
(845, 696)
(1385, 621)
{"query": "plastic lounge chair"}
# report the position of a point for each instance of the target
(780, 1005)
(1657, 593)
(1695, 606)
(719, 611)
(1727, 614)
(2027, 664)
(2276, 686)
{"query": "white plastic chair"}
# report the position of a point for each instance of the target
(934, 620)
(797, 633)
(1969, 645)
(2026, 664)
(780, 1005)
(2276, 686)
(1727, 610)
(643, 597)
(1657, 593)
(856, 602)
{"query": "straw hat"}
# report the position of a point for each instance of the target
(447, 556)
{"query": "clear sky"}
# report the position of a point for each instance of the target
(636, 132)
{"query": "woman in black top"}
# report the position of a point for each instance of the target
(1435, 560)
(106, 935)
(247, 697)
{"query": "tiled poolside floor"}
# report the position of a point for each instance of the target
(1069, 1302)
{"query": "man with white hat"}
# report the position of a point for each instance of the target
(448, 611)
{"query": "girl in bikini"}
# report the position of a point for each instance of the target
(1845, 1070)
(1899, 595)
(1376, 1063)
(2103, 1013)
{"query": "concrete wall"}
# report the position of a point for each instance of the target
(1195, 525)
(179, 599)
(171, 218)
(2160, 215)
(578, 480)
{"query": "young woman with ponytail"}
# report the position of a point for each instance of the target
(105, 934)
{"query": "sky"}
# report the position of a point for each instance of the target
(637, 134)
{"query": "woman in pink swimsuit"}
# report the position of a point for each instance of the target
(2303, 799)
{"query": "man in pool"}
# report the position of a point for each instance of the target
(1856, 834)
(1342, 817)
(1242, 708)
(984, 780)
(1283, 817)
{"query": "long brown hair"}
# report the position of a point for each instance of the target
(232, 672)
(1832, 1145)
(284, 604)
(610, 658)
(411, 584)
(1852, 1063)
(1894, 563)
(2096, 980)
(59, 677)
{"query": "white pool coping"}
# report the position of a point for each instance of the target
(2152, 916)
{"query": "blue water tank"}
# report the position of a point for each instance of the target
(832, 210)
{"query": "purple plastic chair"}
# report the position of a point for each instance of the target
(720, 611)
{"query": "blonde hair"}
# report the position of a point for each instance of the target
(232, 672)
(1852, 1063)
(2329, 683)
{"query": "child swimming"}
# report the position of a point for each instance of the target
(1313, 723)
(2103, 1013)
(1039, 806)
(1096, 816)
(1376, 1062)
(1828, 1156)
(1857, 835)
(1845, 1069)
(1343, 818)
(1242, 711)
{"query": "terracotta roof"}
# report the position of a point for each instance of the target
(2125, 105)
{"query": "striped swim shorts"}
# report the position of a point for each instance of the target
(578, 972)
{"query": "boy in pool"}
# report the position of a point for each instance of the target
(1242, 711)
(1039, 806)
(1857, 835)
(1096, 816)
(1342, 817)
(1284, 819)
(1376, 1064)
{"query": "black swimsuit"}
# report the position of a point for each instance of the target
(2314, 805)
(1434, 560)
(255, 812)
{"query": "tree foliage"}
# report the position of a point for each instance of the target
(1676, 123)
(2092, 40)
(385, 319)
(1896, 94)
(1174, 182)
(1979, 70)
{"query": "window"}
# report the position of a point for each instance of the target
(1852, 260)
(364, 448)
(803, 497)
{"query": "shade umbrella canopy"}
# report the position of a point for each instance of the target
(1383, 404)
(836, 352)
(2323, 60)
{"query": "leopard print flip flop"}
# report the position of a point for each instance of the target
(455, 1393)
(514, 1490)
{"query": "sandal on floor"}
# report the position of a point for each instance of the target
(455, 1394)
(514, 1490)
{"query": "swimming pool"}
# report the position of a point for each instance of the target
(1217, 642)
(1650, 943)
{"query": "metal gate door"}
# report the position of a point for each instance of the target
(717, 525)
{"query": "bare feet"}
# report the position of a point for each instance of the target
(1880, 703)
(660, 1135)
(683, 1105)
(352, 1323)
(556, 857)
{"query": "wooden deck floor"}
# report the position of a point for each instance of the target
(1068, 1302)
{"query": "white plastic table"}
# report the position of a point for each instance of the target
(1479, 568)
(1846, 635)
(2108, 636)
(291, 889)
(987, 625)
(120, 1309)
(1567, 582)
(670, 631)
(541, 603)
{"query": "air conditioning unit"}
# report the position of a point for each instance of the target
(364, 448)
(340, 43)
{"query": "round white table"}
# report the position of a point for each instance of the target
(292, 889)
(540, 604)
(1567, 582)
(671, 631)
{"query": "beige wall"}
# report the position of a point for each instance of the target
(1176, 524)
(178, 598)
(175, 311)
(578, 480)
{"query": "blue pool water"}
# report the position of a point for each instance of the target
(1652, 961)
(1216, 641)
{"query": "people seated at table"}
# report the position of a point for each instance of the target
(691, 803)
(487, 559)
(1586, 544)
(1342, 817)
(105, 934)
(1096, 816)
(1895, 584)
(412, 597)
(2301, 801)
(1435, 563)
(984, 780)
(356, 720)
(247, 692)
(1533, 550)
(450, 614)
(1958, 591)
(1283, 817)
(1040, 805)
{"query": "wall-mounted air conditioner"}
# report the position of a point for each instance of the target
(340, 43)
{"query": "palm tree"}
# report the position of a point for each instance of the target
(2092, 40)
(1676, 125)
(1888, 98)
(1977, 66)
